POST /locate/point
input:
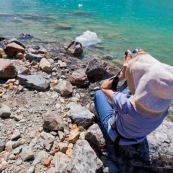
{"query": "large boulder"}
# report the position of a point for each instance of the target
(84, 159)
(7, 69)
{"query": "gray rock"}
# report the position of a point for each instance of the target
(84, 159)
(27, 154)
(40, 157)
(31, 170)
(2, 146)
(16, 135)
(64, 88)
(81, 115)
(95, 135)
(33, 57)
(33, 81)
(5, 111)
(61, 160)
(52, 121)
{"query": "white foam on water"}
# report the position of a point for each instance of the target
(80, 5)
(88, 38)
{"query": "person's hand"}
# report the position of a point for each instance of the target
(127, 58)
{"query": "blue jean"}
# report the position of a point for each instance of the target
(104, 110)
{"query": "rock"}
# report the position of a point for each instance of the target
(62, 64)
(27, 154)
(5, 111)
(95, 68)
(52, 121)
(45, 65)
(40, 157)
(12, 49)
(95, 136)
(19, 56)
(63, 146)
(84, 159)
(69, 152)
(16, 135)
(33, 81)
(64, 88)
(7, 69)
(14, 40)
(63, 26)
(61, 160)
(74, 134)
(73, 47)
(79, 77)
(33, 57)
(81, 115)
(51, 170)
(47, 162)
(2, 146)
(31, 170)
(3, 165)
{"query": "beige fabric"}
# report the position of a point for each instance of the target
(151, 85)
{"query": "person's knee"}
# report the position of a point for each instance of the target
(98, 93)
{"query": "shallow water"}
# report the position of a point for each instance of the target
(121, 25)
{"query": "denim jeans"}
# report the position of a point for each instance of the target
(104, 110)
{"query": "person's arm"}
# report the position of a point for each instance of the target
(106, 86)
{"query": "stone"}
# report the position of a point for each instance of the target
(7, 69)
(31, 170)
(40, 157)
(94, 135)
(73, 47)
(60, 160)
(63, 146)
(84, 159)
(52, 121)
(27, 154)
(95, 68)
(12, 49)
(81, 115)
(47, 162)
(50, 170)
(19, 56)
(79, 77)
(5, 111)
(33, 57)
(45, 65)
(2, 146)
(74, 134)
(64, 88)
(69, 152)
(62, 64)
(3, 165)
(37, 82)
(16, 135)
(63, 26)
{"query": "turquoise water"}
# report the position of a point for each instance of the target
(121, 25)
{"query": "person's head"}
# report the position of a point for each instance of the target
(151, 84)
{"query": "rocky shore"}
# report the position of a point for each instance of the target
(46, 124)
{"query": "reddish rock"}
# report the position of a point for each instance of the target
(7, 69)
(74, 134)
(47, 162)
(12, 49)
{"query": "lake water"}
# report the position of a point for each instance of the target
(120, 24)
